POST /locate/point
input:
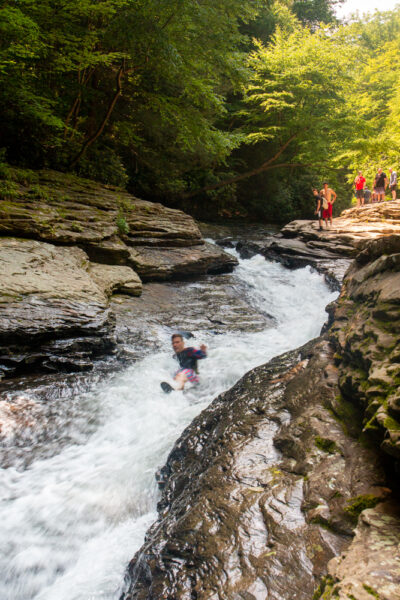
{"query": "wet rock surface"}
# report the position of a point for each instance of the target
(366, 333)
(217, 304)
(255, 502)
(286, 473)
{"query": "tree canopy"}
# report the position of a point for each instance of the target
(230, 107)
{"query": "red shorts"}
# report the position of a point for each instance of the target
(327, 212)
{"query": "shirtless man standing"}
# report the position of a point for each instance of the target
(330, 195)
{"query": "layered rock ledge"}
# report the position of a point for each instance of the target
(331, 250)
(111, 226)
(279, 488)
(67, 245)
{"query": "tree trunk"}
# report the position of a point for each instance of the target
(100, 129)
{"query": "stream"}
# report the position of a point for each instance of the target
(78, 488)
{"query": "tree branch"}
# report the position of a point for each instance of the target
(99, 131)
(264, 167)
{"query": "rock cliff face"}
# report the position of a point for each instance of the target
(279, 490)
(366, 334)
(66, 246)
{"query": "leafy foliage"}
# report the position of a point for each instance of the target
(235, 107)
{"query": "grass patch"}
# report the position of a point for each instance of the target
(40, 192)
(326, 589)
(122, 224)
(9, 190)
(391, 424)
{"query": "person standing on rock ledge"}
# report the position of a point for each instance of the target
(367, 195)
(393, 183)
(359, 183)
(330, 195)
(319, 209)
(380, 184)
(187, 358)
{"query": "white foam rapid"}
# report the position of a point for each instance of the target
(70, 523)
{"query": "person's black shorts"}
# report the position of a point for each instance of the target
(359, 193)
(393, 187)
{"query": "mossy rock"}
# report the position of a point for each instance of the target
(356, 505)
(326, 589)
(371, 591)
(326, 445)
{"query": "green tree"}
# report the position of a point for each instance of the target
(297, 107)
(135, 83)
(376, 95)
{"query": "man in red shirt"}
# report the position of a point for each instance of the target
(359, 183)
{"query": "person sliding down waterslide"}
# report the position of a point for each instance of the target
(187, 358)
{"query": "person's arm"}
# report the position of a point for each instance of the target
(333, 196)
(386, 182)
(202, 353)
(318, 206)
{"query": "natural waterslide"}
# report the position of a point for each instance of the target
(73, 513)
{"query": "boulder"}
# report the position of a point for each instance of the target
(52, 313)
(370, 567)
(162, 264)
(113, 279)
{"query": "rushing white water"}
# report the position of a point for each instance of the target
(69, 523)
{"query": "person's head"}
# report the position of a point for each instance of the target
(359, 173)
(380, 170)
(366, 187)
(325, 184)
(390, 169)
(315, 192)
(177, 342)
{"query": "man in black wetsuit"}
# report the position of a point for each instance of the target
(187, 358)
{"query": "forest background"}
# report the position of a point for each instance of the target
(235, 108)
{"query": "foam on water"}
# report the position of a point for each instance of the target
(70, 523)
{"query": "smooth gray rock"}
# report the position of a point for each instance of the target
(112, 279)
(162, 264)
(52, 313)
